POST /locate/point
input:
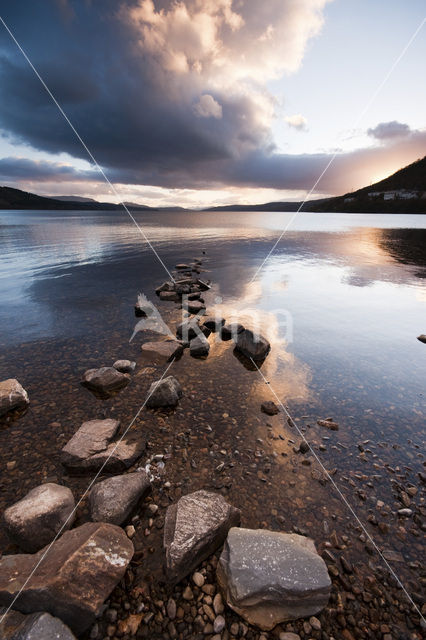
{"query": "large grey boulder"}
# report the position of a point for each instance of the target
(164, 393)
(72, 579)
(93, 447)
(194, 528)
(113, 499)
(252, 345)
(105, 380)
(199, 347)
(35, 520)
(12, 396)
(163, 349)
(35, 626)
(268, 577)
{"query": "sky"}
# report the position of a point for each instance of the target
(209, 102)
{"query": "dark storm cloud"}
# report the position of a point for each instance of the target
(167, 94)
(17, 169)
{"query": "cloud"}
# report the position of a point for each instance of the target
(208, 107)
(389, 130)
(15, 169)
(297, 121)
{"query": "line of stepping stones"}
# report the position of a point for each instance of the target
(266, 577)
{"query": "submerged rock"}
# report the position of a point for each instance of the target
(35, 520)
(124, 366)
(199, 347)
(328, 424)
(164, 393)
(105, 380)
(230, 331)
(35, 626)
(194, 528)
(79, 572)
(12, 396)
(112, 500)
(214, 323)
(92, 447)
(190, 329)
(270, 408)
(163, 349)
(269, 577)
(195, 307)
(252, 345)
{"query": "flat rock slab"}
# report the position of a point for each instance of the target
(112, 500)
(74, 579)
(12, 396)
(195, 307)
(92, 447)
(35, 520)
(35, 626)
(163, 349)
(252, 345)
(194, 528)
(164, 393)
(105, 380)
(199, 347)
(169, 296)
(268, 577)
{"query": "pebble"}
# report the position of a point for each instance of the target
(219, 624)
(198, 579)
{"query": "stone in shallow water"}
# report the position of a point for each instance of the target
(91, 447)
(12, 396)
(105, 380)
(164, 393)
(268, 577)
(74, 578)
(194, 528)
(252, 345)
(190, 329)
(36, 626)
(270, 408)
(195, 307)
(35, 520)
(199, 347)
(113, 499)
(124, 366)
(163, 349)
(214, 323)
(231, 330)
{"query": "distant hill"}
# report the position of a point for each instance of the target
(409, 179)
(17, 199)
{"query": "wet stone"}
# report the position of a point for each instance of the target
(164, 349)
(164, 393)
(12, 396)
(199, 347)
(113, 499)
(270, 408)
(269, 577)
(124, 366)
(252, 345)
(35, 626)
(105, 380)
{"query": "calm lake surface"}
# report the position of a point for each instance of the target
(342, 300)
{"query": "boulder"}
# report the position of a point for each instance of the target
(74, 579)
(112, 500)
(190, 329)
(270, 408)
(163, 349)
(203, 286)
(124, 366)
(195, 307)
(169, 296)
(35, 626)
(252, 345)
(166, 286)
(269, 577)
(92, 448)
(105, 380)
(231, 330)
(35, 520)
(164, 393)
(199, 347)
(194, 528)
(12, 396)
(214, 323)
(422, 338)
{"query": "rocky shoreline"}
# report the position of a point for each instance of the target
(194, 607)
